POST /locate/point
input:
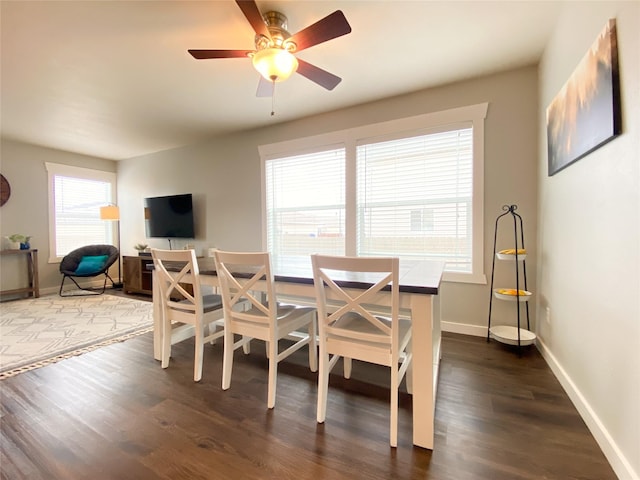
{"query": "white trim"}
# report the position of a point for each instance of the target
(621, 466)
(302, 146)
(54, 169)
(350, 198)
(263, 197)
(477, 255)
(456, 277)
(79, 172)
(464, 329)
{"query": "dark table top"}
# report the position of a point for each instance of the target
(421, 277)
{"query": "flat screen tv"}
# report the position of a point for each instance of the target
(169, 217)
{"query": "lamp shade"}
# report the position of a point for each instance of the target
(275, 64)
(110, 212)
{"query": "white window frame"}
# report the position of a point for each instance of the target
(56, 169)
(350, 138)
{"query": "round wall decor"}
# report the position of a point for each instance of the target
(5, 190)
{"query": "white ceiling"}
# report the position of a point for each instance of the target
(113, 79)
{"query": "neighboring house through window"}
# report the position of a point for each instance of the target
(75, 197)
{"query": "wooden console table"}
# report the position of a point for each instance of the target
(32, 270)
(137, 278)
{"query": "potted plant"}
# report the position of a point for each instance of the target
(17, 241)
(141, 247)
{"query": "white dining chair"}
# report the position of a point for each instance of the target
(350, 327)
(248, 276)
(183, 305)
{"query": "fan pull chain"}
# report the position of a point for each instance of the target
(273, 97)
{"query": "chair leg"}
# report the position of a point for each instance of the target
(313, 345)
(89, 290)
(323, 385)
(199, 353)
(409, 374)
(62, 284)
(273, 373)
(104, 285)
(347, 367)
(393, 427)
(166, 340)
(227, 361)
(209, 330)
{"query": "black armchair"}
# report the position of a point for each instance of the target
(88, 261)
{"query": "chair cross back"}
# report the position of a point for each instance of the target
(238, 291)
(173, 286)
(355, 303)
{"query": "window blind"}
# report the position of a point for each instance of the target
(77, 203)
(305, 204)
(413, 188)
(414, 198)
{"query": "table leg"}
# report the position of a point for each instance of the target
(157, 320)
(30, 270)
(423, 370)
(35, 279)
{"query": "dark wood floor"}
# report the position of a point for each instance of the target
(115, 414)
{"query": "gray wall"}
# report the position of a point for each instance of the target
(589, 244)
(27, 210)
(224, 176)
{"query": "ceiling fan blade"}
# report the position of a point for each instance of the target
(332, 26)
(265, 88)
(205, 54)
(250, 10)
(318, 75)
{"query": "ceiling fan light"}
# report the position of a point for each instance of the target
(275, 64)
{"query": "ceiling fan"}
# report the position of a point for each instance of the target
(273, 56)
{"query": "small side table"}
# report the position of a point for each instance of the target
(33, 290)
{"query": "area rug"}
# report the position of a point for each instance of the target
(39, 331)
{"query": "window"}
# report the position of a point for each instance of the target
(75, 197)
(305, 204)
(422, 220)
(414, 197)
(412, 188)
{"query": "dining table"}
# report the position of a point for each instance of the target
(420, 283)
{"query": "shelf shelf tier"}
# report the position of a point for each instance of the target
(509, 335)
(520, 269)
(523, 297)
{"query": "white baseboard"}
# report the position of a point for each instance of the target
(616, 458)
(49, 290)
(464, 329)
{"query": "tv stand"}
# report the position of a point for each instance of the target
(137, 278)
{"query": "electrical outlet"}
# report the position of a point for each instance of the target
(548, 315)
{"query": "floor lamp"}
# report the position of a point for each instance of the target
(112, 213)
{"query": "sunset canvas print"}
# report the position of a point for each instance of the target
(585, 114)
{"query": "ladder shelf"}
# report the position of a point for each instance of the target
(520, 295)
